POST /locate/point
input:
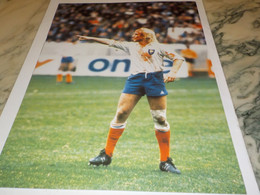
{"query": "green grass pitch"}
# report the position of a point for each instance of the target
(59, 127)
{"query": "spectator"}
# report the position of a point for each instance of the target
(172, 22)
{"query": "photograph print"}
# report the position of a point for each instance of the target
(123, 97)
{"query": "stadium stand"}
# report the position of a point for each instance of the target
(173, 22)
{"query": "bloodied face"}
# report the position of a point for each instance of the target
(138, 35)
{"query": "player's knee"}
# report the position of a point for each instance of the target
(117, 125)
(159, 118)
(121, 115)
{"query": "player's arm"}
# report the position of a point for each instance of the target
(177, 62)
(99, 40)
(171, 76)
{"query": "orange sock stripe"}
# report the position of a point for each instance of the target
(163, 139)
(68, 78)
(59, 78)
(112, 138)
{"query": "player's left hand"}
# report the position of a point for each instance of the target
(169, 78)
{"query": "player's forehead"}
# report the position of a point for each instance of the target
(139, 31)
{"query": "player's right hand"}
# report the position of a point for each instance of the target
(81, 37)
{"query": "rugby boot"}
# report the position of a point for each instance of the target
(101, 159)
(168, 166)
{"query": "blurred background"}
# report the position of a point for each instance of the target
(172, 22)
(177, 25)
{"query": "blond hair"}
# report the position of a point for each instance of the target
(149, 35)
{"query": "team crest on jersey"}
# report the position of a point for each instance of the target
(151, 51)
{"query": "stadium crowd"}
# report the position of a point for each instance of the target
(173, 22)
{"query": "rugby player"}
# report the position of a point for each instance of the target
(146, 79)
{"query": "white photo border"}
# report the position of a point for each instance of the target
(16, 97)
